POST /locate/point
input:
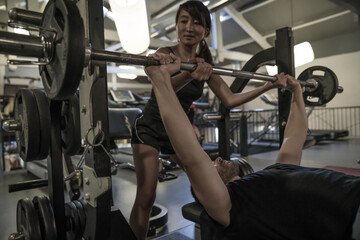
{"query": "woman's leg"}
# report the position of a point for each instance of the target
(146, 160)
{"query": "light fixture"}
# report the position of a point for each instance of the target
(131, 24)
(127, 72)
(303, 53)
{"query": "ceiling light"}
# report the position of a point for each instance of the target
(303, 53)
(131, 24)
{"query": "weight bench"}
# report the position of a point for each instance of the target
(209, 229)
(195, 212)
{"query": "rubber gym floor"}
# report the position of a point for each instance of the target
(175, 193)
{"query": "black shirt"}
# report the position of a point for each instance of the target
(291, 202)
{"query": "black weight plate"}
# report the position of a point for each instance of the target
(62, 75)
(45, 122)
(27, 221)
(71, 213)
(25, 111)
(327, 85)
(158, 216)
(46, 217)
(70, 126)
(81, 213)
(84, 204)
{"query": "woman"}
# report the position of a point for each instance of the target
(149, 137)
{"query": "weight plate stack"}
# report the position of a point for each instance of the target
(43, 107)
(46, 217)
(70, 126)
(26, 112)
(27, 221)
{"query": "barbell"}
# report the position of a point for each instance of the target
(63, 53)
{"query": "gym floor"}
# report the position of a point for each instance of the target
(175, 193)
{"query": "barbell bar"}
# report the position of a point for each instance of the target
(38, 47)
(123, 58)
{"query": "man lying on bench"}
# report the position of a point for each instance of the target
(283, 201)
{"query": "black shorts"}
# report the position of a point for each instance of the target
(150, 130)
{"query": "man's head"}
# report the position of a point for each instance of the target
(228, 170)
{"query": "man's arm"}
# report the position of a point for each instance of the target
(296, 128)
(206, 182)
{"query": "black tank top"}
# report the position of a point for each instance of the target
(187, 95)
(291, 202)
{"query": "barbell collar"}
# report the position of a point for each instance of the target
(314, 83)
(12, 125)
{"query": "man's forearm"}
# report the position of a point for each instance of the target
(177, 124)
(297, 122)
(180, 80)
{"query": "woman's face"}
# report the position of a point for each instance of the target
(189, 30)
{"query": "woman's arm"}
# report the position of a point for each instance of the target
(230, 99)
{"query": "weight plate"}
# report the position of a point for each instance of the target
(62, 22)
(70, 126)
(25, 111)
(81, 213)
(327, 85)
(46, 218)
(158, 219)
(27, 221)
(71, 213)
(45, 122)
